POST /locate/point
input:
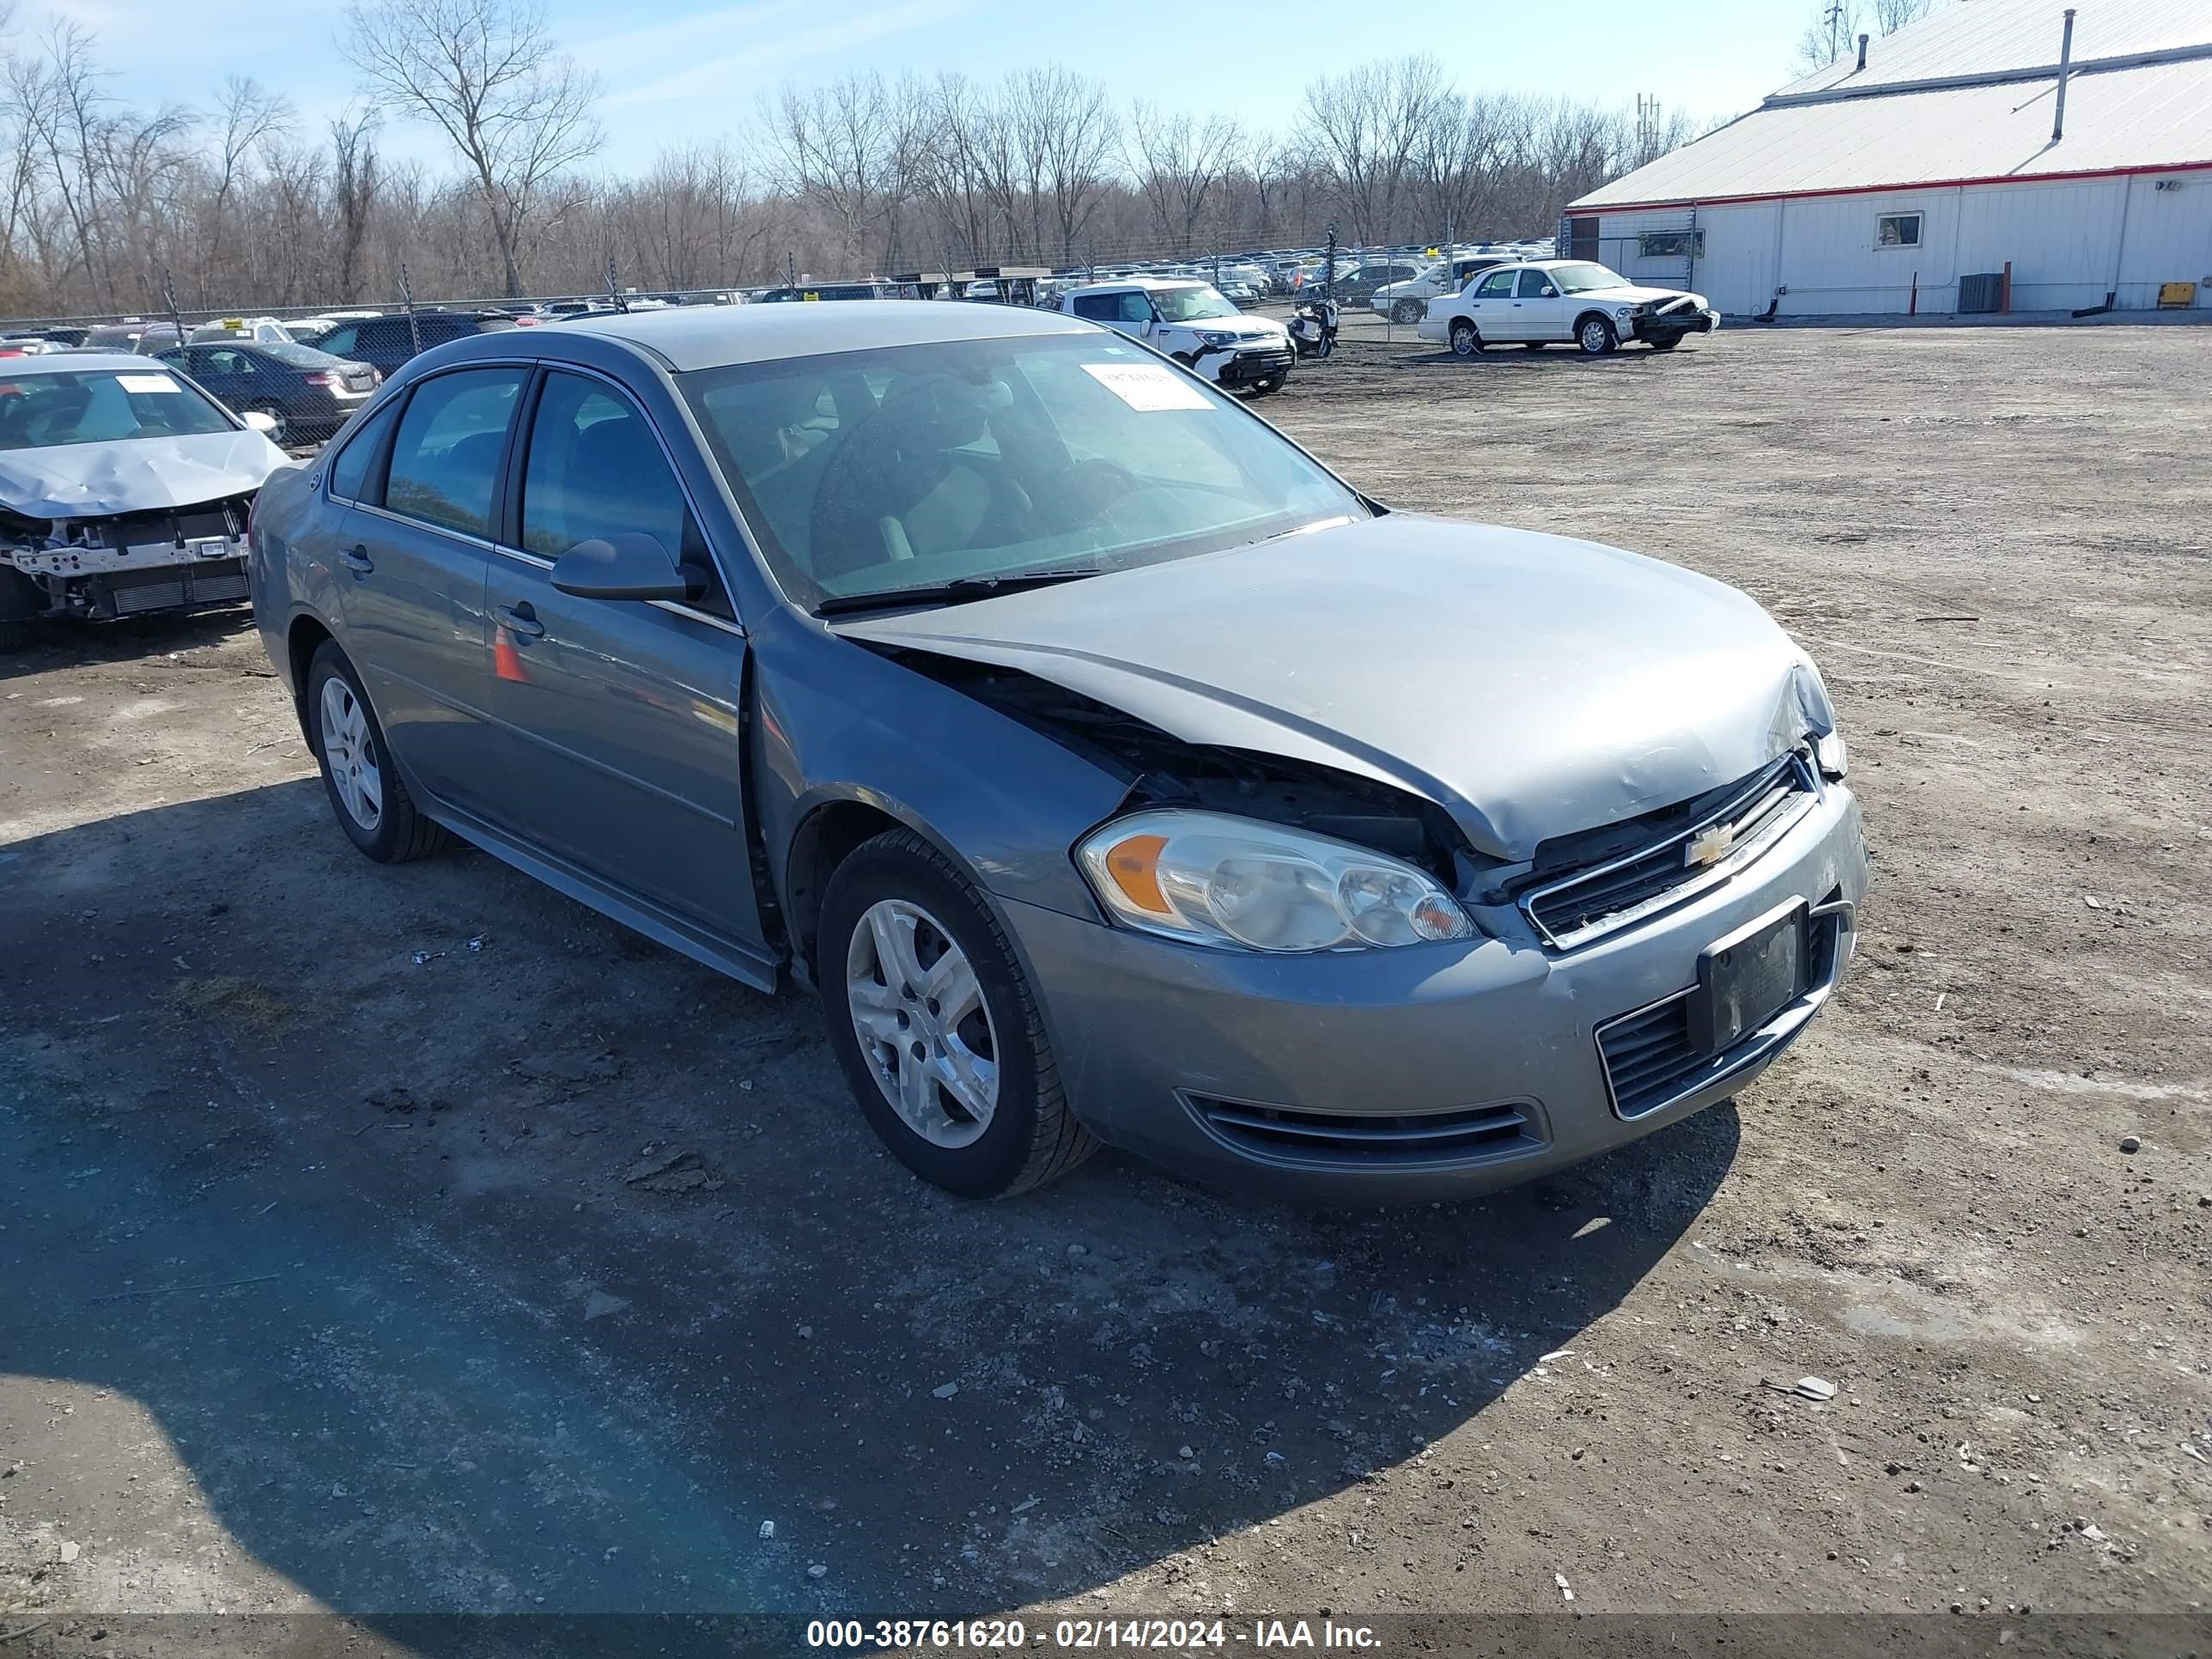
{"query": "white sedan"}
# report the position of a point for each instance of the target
(1571, 301)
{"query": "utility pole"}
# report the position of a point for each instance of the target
(1835, 16)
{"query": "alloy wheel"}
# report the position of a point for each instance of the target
(924, 1029)
(350, 753)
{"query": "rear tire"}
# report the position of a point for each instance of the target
(365, 791)
(1595, 336)
(1466, 338)
(1667, 342)
(897, 909)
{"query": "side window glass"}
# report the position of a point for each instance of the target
(596, 471)
(1496, 288)
(445, 455)
(1534, 285)
(351, 470)
(339, 340)
(1099, 308)
(1136, 308)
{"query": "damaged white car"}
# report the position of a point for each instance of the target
(124, 489)
(1195, 324)
(1566, 301)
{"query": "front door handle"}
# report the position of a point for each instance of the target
(521, 619)
(355, 559)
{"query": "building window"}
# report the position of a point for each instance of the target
(1897, 230)
(1671, 243)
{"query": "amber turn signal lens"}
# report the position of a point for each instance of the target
(1134, 865)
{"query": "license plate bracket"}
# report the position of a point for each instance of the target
(1746, 978)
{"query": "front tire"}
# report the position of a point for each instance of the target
(1466, 339)
(1666, 342)
(1596, 337)
(1405, 311)
(937, 1028)
(365, 791)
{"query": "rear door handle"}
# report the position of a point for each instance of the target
(521, 619)
(356, 558)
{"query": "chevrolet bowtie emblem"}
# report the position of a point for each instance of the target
(1710, 847)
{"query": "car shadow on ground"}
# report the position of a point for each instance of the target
(60, 643)
(335, 1171)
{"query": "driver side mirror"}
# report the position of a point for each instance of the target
(264, 424)
(630, 566)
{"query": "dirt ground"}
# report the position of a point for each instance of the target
(413, 1240)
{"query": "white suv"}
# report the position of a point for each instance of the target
(1568, 300)
(1194, 324)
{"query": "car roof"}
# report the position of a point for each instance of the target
(80, 362)
(687, 338)
(1141, 279)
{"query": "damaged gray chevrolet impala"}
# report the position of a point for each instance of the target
(1113, 771)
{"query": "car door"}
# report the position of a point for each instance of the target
(1538, 308)
(616, 722)
(214, 368)
(411, 563)
(1491, 306)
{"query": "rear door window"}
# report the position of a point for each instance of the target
(1099, 308)
(1499, 286)
(350, 470)
(445, 455)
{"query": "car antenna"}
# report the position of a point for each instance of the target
(614, 291)
(169, 294)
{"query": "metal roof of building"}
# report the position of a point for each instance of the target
(1989, 37)
(2137, 98)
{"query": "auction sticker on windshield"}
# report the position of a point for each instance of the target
(147, 383)
(1147, 385)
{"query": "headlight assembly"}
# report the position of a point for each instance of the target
(1830, 754)
(1214, 337)
(1240, 884)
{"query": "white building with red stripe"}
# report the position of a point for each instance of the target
(2069, 147)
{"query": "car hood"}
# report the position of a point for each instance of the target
(1244, 328)
(1529, 685)
(1635, 295)
(135, 474)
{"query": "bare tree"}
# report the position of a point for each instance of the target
(1368, 121)
(1178, 159)
(1076, 132)
(354, 184)
(247, 118)
(486, 74)
(1834, 28)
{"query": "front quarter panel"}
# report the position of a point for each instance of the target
(838, 721)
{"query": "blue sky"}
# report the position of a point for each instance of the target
(678, 73)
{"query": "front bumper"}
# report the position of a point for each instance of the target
(1673, 324)
(1421, 1073)
(1249, 366)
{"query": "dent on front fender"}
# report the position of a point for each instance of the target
(836, 721)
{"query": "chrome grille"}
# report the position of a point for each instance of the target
(1336, 1136)
(1614, 891)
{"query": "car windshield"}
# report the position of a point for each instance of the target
(907, 467)
(103, 405)
(1191, 305)
(1585, 279)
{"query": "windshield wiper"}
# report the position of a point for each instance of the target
(959, 591)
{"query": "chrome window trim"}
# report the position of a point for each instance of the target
(673, 607)
(1811, 795)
